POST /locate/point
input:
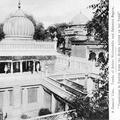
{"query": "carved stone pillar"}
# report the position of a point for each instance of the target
(12, 67)
(21, 67)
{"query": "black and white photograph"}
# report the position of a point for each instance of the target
(54, 57)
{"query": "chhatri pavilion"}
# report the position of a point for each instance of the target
(33, 75)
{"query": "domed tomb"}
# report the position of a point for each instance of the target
(18, 26)
(79, 19)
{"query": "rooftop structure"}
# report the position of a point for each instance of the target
(18, 20)
(76, 40)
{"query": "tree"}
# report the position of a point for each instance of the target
(39, 32)
(60, 35)
(51, 30)
(39, 28)
(98, 26)
(59, 29)
(2, 35)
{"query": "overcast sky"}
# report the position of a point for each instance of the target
(47, 11)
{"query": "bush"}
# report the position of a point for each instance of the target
(44, 111)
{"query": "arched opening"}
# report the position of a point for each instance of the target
(92, 56)
(101, 57)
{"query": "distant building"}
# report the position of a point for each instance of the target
(77, 39)
(77, 27)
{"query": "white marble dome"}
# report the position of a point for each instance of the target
(18, 26)
(79, 19)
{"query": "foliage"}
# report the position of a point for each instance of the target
(51, 29)
(39, 32)
(100, 99)
(1, 32)
(95, 107)
(61, 40)
(39, 28)
(44, 111)
(98, 26)
(59, 29)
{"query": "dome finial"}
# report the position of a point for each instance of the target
(19, 4)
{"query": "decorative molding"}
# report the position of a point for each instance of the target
(14, 58)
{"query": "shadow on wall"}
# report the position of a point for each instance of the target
(44, 111)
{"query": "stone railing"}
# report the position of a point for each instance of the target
(68, 76)
(21, 79)
(56, 116)
(69, 86)
(29, 46)
(57, 89)
(74, 64)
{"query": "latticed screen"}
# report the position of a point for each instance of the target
(32, 95)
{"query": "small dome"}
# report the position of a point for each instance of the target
(79, 19)
(18, 26)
